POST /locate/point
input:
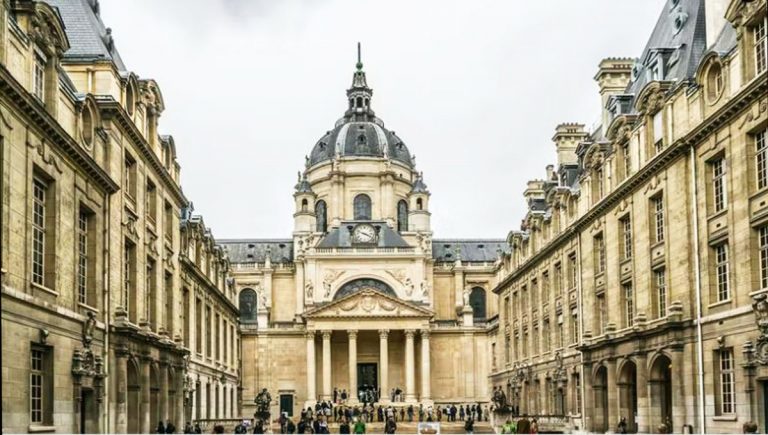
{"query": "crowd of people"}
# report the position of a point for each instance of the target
(522, 425)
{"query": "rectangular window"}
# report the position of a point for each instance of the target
(719, 198)
(129, 176)
(185, 315)
(627, 160)
(761, 46)
(168, 218)
(507, 312)
(209, 333)
(166, 320)
(660, 282)
(577, 385)
(199, 326)
(506, 349)
(82, 255)
(39, 202)
(560, 334)
(534, 293)
(535, 342)
(558, 279)
(721, 272)
(763, 255)
(545, 287)
(151, 202)
(599, 253)
(625, 225)
(574, 328)
(629, 305)
(657, 221)
(573, 275)
(601, 317)
(129, 281)
(658, 132)
(217, 329)
(151, 294)
(727, 381)
(39, 76)
(41, 386)
(761, 158)
(545, 336)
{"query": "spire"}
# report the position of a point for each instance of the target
(359, 94)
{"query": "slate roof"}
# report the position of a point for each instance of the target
(86, 32)
(726, 40)
(360, 138)
(472, 250)
(340, 237)
(255, 250)
(687, 43)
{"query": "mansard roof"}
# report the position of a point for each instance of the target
(470, 250)
(255, 250)
(88, 37)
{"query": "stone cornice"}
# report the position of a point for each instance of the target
(749, 95)
(13, 92)
(112, 110)
(189, 266)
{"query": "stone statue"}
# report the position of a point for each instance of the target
(263, 298)
(760, 307)
(263, 400)
(88, 327)
(425, 289)
(408, 286)
(466, 297)
(309, 290)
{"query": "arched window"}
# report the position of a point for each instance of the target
(362, 207)
(321, 219)
(248, 301)
(402, 216)
(304, 204)
(359, 101)
(477, 302)
(419, 204)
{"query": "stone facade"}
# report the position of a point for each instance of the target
(638, 273)
(95, 331)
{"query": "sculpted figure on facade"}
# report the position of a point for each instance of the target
(309, 291)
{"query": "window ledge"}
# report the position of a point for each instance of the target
(88, 307)
(40, 429)
(717, 214)
(45, 289)
(724, 418)
(717, 304)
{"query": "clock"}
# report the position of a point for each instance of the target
(364, 233)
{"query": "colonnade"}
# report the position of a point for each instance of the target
(409, 365)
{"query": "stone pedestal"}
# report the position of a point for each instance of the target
(467, 318)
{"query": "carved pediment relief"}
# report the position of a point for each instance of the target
(368, 303)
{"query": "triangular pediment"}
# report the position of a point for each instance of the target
(368, 303)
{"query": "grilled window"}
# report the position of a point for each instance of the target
(626, 237)
(660, 281)
(763, 247)
(727, 380)
(761, 158)
(719, 198)
(657, 207)
(629, 305)
(721, 272)
(761, 46)
(82, 255)
(39, 203)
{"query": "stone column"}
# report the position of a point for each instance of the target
(163, 399)
(384, 365)
(146, 425)
(311, 375)
(326, 365)
(613, 399)
(352, 366)
(588, 398)
(299, 291)
(178, 419)
(679, 415)
(426, 390)
(410, 363)
(121, 417)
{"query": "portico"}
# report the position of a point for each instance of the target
(374, 333)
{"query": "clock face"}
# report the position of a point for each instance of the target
(364, 234)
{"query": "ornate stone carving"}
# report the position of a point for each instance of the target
(43, 150)
(425, 288)
(328, 279)
(309, 290)
(751, 115)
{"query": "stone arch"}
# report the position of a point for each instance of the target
(133, 384)
(248, 304)
(477, 300)
(362, 207)
(660, 390)
(627, 383)
(359, 284)
(600, 399)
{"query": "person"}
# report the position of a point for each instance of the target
(534, 426)
(453, 412)
(344, 426)
(335, 395)
(402, 414)
(390, 426)
(240, 428)
(486, 413)
(258, 427)
(344, 395)
(461, 412)
(290, 427)
(359, 426)
(509, 427)
(160, 427)
(198, 429)
(392, 395)
(322, 426)
(469, 425)
(410, 412)
(169, 427)
(622, 427)
(219, 428)
(523, 425)
(188, 428)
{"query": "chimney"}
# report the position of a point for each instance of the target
(567, 137)
(612, 76)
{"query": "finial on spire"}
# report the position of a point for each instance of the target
(359, 60)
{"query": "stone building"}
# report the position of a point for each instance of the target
(95, 327)
(362, 297)
(641, 267)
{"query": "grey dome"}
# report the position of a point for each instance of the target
(360, 138)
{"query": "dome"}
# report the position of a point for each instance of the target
(359, 132)
(360, 138)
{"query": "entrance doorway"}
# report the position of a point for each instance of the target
(764, 385)
(88, 424)
(367, 376)
(286, 404)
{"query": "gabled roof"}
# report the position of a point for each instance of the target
(368, 303)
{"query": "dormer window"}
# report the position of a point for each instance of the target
(38, 81)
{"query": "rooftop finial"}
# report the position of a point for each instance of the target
(359, 61)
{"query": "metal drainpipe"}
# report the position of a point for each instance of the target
(107, 303)
(697, 283)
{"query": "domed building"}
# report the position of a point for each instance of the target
(361, 299)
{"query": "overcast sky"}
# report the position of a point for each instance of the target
(474, 88)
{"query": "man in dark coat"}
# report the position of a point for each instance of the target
(524, 425)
